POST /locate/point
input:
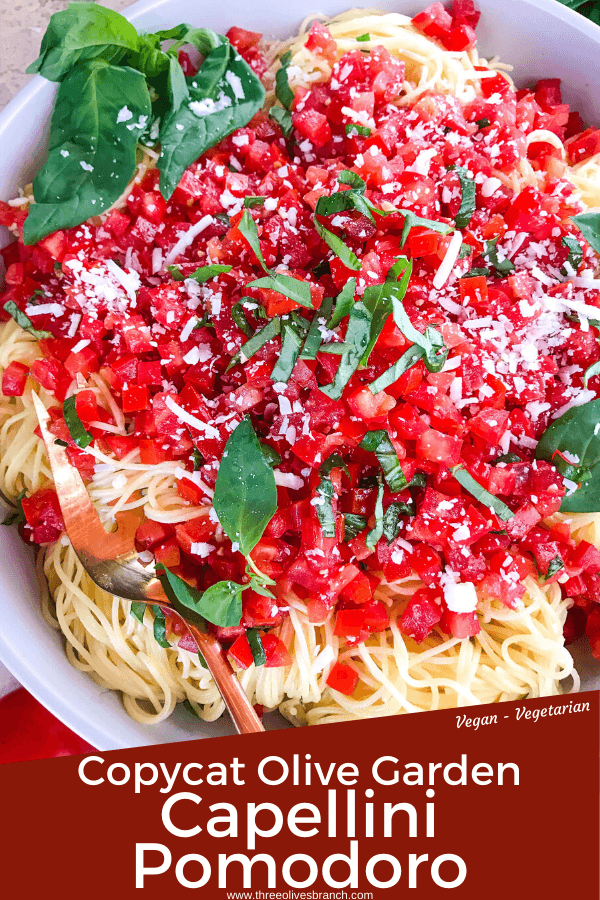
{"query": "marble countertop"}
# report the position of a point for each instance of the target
(22, 25)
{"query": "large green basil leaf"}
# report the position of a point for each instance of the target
(225, 94)
(245, 493)
(83, 31)
(99, 113)
(589, 226)
(221, 604)
(577, 432)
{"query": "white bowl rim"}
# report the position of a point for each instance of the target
(75, 715)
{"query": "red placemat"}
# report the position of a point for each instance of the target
(29, 731)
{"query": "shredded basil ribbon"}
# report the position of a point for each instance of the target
(479, 492)
(76, 428)
(379, 443)
(24, 321)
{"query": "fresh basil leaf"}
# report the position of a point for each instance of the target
(258, 340)
(291, 343)
(419, 480)
(17, 515)
(507, 458)
(82, 32)
(271, 455)
(78, 433)
(490, 253)
(577, 432)
(484, 123)
(465, 250)
(203, 39)
(256, 646)
(353, 180)
(283, 119)
(245, 493)
(333, 461)
(477, 273)
(378, 300)
(339, 248)
(467, 202)
(391, 375)
(247, 228)
(377, 532)
(175, 273)
(343, 201)
(412, 220)
(252, 202)
(336, 348)
(149, 58)
(324, 508)
(353, 525)
(554, 566)
(362, 130)
(239, 317)
(177, 87)
(221, 604)
(435, 353)
(379, 443)
(343, 303)
(314, 338)
(197, 459)
(293, 288)
(575, 257)
(207, 273)
(160, 627)
(357, 337)
(589, 226)
(24, 321)
(224, 95)
(591, 372)
(479, 492)
(138, 610)
(364, 37)
(259, 588)
(283, 91)
(92, 154)
(392, 517)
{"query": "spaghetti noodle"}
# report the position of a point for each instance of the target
(518, 652)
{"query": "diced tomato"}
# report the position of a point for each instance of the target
(366, 405)
(86, 406)
(275, 651)
(424, 610)
(460, 625)
(314, 126)
(153, 452)
(584, 145)
(194, 534)
(121, 445)
(321, 42)
(168, 553)
(440, 448)
(43, 516)
(242, 39)
(135, 398)
(434, 21)
(14, 379)
(343, 678)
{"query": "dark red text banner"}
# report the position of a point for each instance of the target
(483, 802)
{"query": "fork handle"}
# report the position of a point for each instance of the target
(241, 710)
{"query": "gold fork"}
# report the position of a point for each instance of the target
(112, 562)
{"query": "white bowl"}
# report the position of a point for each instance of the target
(541, 38)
